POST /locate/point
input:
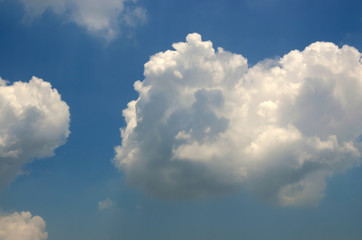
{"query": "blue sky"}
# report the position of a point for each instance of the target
(94, 68)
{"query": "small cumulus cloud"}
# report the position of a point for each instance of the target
(105, 204)
(104, 18)
(205, 123)
(22, 226)
(34, 121)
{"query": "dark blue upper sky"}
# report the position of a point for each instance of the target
(95, 77)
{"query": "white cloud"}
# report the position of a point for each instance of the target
(34, 121)
(205, 123)
(107, 203)
(104, 18)
(22, 226)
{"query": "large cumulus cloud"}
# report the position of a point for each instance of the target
(34, 121)
(104, 18)
(22, 226)
(205, 123)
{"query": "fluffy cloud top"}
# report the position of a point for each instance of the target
(99, 17)
(205, 123)
(22, 226)
(34, 121)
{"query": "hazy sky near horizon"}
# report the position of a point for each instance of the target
(124, 119)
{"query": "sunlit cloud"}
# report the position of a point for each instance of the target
(205, 123)
(22, 226)
(34, 121)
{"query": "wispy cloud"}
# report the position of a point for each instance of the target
(104, 18)
(105, 204)
(205, 123)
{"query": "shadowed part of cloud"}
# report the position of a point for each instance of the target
(205, 123)
(104, 18)
(22, 226)
(34, 121)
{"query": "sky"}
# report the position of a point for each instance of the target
(124, 119)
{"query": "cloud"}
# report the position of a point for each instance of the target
(207, 124)
(22, 226)
(103, 18)
(34, 121)
(107, 203)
